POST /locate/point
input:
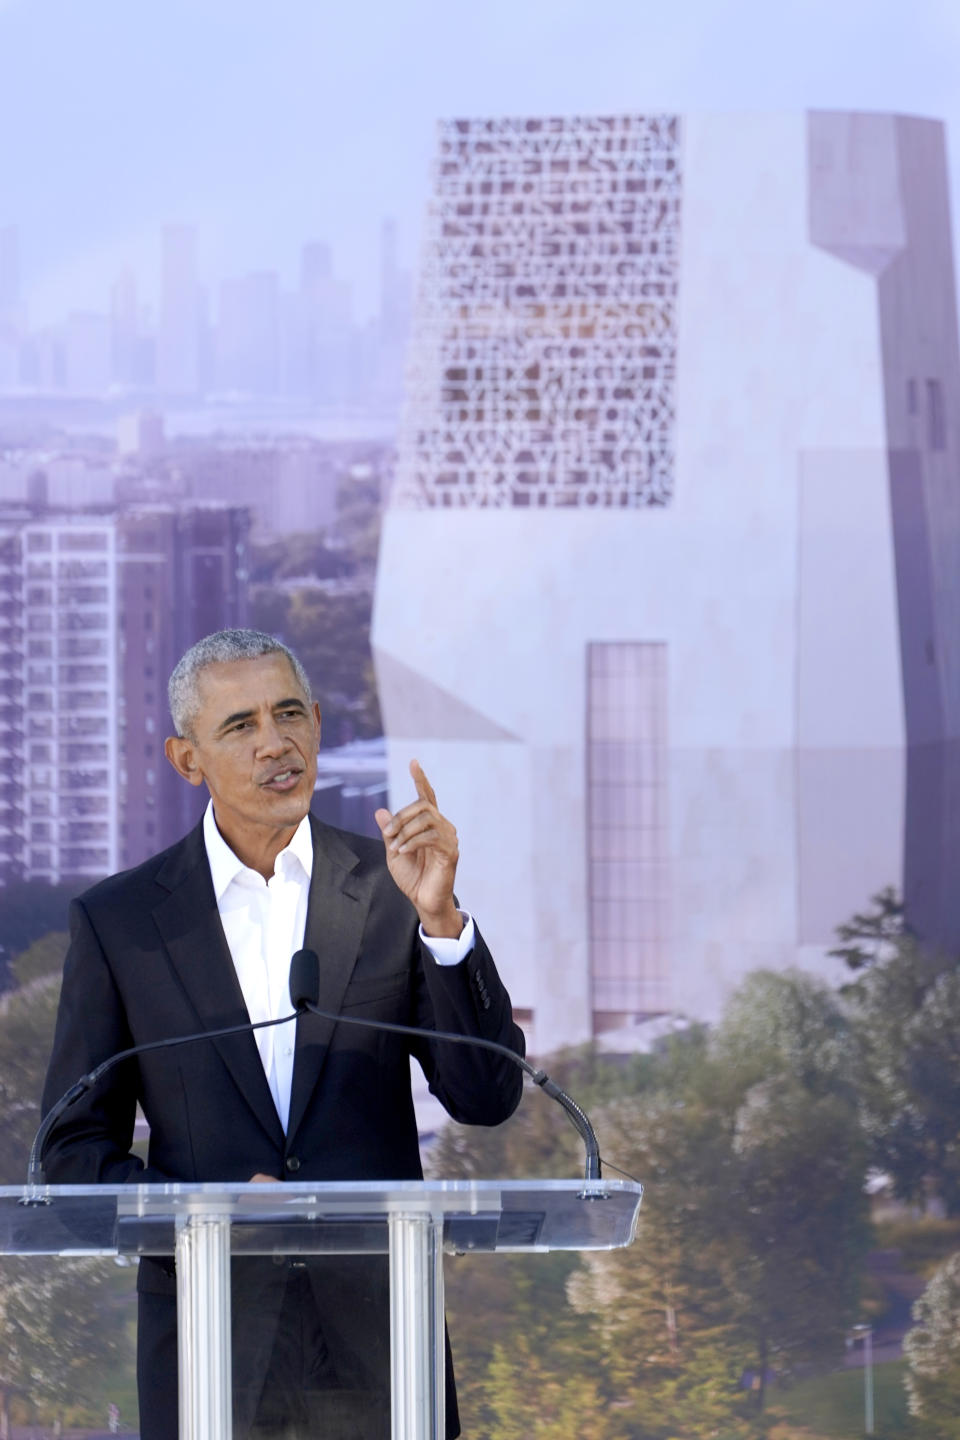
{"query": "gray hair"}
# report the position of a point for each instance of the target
(224, 645)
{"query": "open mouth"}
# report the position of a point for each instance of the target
(283, 780)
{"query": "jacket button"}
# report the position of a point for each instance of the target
(292, 1162)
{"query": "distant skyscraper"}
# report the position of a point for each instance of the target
(87, 350)
(124, 328)
(394, 320)
(178, 338)
(248, 334)
(316, 269)
(394, 286)
(682, 445)
(320, 360)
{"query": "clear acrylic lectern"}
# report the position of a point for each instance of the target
(413, 1221)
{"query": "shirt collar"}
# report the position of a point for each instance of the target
(225, 866)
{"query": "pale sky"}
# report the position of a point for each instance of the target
(269, 125)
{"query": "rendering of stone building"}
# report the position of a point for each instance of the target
(667, 600)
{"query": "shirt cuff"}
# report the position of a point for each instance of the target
(450, 952)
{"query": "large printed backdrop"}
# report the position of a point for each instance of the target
(576, 392)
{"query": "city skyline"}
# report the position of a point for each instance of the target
(244, 333)
(258, 128)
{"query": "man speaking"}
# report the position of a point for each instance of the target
(200, 937)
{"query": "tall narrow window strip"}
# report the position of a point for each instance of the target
(627, 830)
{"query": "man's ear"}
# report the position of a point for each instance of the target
(316, 717)
(182, 756)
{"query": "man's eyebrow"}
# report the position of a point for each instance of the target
(232, 719)
(287, 704)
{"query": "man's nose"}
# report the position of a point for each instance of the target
(270, 740)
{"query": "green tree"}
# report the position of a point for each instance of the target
(43, 960)
(751, 1235)
(932, 1351)
(298, 555)
(754, 1225)
(905, 1006)
(797, 1214)
(29, 909)
(869, 937)
(51, 1355)
(672, 1349)
(359, 511)
(330, 633)
(27, 1019)
(524, 1399)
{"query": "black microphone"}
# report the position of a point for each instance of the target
(35, 1177)
(305, 990)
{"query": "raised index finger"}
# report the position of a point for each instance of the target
(424, 788)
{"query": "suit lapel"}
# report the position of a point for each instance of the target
(336, 915)
(189, 923)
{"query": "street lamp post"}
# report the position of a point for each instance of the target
(865, 1333)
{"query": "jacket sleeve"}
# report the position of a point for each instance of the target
(91, 1143)
(474, 1085)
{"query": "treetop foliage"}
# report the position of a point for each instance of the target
(869, 936)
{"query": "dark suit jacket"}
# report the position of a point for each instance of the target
(148, 960)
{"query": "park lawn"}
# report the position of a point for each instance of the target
(830, 1407)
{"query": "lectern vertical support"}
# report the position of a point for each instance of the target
(203, 1319)
(416, 1326)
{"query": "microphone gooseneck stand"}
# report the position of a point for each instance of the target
(305, 986)
(304, 990)
(35, 1178)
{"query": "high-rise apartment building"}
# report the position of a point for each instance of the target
(681, 445)
(182, 575)
(94, 612)
(62, 698)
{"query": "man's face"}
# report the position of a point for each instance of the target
(254, 742)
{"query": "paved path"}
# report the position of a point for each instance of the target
(901, 1288)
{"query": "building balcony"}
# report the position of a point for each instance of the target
(84, 860)
(84, 780)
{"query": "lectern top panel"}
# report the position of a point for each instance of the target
(304, 1218)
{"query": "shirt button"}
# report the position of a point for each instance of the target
(292, 1163)
(289, 1050)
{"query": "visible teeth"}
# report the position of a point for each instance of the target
(284, 775)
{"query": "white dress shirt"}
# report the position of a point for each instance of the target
(264, 923)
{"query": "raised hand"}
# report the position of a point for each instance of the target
(422, 855)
